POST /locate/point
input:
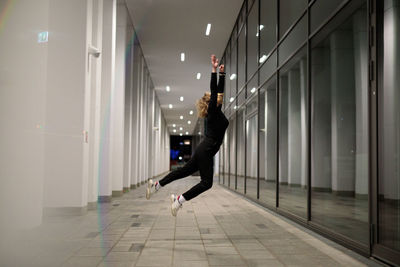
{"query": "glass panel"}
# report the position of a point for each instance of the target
(293, 41)
(289, 12)
(268, 130)
(241, 97)
(226, 158)
(228, 71)
(267, 28)
(293, 135)
(232, 152)
(389, 124)
(240, 150)
(233, 73)
(339, 72)
(242, 59)
(321, 10)
(252, 87)
(252, 41)
(251, 152)
(268, 68)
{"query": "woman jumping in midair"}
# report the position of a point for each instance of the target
(209, 107)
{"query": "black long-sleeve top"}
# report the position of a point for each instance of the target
(216, 122)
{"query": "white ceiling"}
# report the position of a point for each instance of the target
(165, 29)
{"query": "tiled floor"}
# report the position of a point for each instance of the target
(219, 228)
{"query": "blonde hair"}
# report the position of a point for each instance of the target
(202, 104)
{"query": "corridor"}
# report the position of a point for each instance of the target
(219, 228)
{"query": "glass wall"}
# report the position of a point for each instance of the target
(303, 133)
(389, 141)
(251, 146)
(293, 135)
(340, 127)
(268, 142)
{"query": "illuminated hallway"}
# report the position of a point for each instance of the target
(99, 96)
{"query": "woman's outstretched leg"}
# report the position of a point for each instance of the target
(189, 168)
(206, 172)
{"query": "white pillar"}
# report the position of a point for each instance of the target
(107, 86)
(270, 133)
(283, 131)
(390, 179)
(66, 175)
(118, 104)
(361, 86)
(343, 112)
(294, 127)
(304, 121)
(321, 128)
(23, 76)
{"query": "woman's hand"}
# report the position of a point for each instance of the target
(214, 63)
(222, 68)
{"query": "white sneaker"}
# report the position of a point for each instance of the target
(151, 189)
(175, 205)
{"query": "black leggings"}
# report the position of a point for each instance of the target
(201, 160)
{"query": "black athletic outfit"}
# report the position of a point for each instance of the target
(202, 159)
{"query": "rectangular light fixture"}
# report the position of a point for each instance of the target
(170, 106)
(263, 58)
(168, 88)
(181, 98)
(182, 57)
(253, 90)
(233, 76)
(208, 29)
(231, 99)
(198, 76)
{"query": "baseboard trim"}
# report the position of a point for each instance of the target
(117, 193)
(126, 189)
(64, 211)
(92, 205)
(104, 199)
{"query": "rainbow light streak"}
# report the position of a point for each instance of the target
(5, 13)
(104, 136)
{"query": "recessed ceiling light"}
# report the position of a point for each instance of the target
(187, 133)
(208, 29)
(170, 106)
(253, 90)
(189, 122)
(231, 99)
(174, 125)
(199, 133)
(181, 98)
(263, 58)
(180, 135)
(180, 128)
(261, 27)
(181, 117)
(174, 130)
(168, 88)
(182, 57)
(233, 76)
(191, 112)
(198, 76)
(235, 107)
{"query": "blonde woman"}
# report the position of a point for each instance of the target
(208, 107)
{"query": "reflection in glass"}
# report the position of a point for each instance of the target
(251, 148)
(339, 73)
(252, 41)
(289, 12)
(226, 158)
(242, 59)
(267, 146)
(233, 74)
(389, 118)
(232, 152)
(240, 150)
(267, 27)
(293, 135)
(228, 71)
